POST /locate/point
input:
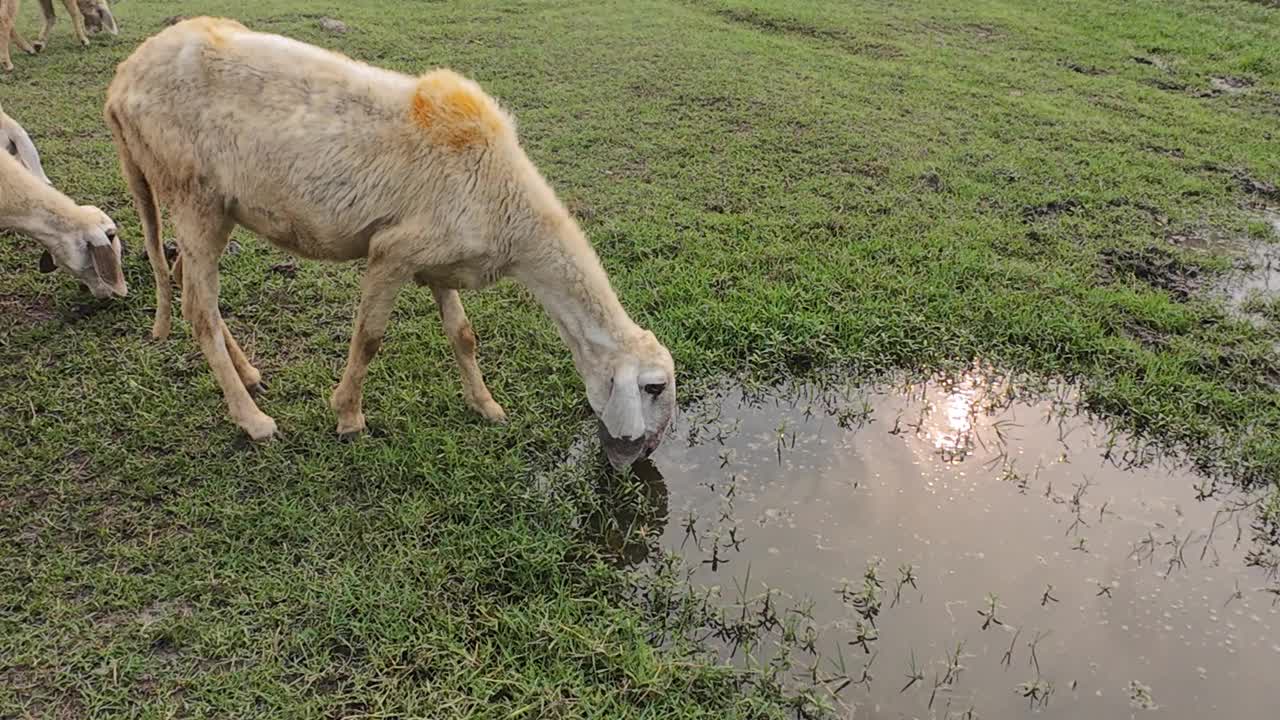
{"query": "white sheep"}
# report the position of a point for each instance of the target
(87, 17)
(80, 239)
(332, 159)
(16, 141)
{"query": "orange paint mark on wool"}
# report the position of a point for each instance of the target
(454, 110)
(215, 29)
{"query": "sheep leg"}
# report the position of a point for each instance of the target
(379, 287)
(21, 42)
(249, 375)
(5, 62)
(46, 9)
(77, 20)
(206, 233)
(463, 339)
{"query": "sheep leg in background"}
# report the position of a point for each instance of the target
(5, 31)
(204, 230)
(21, 42)
(77, 20)
(378, 290)
(463, 339)
(249, 375)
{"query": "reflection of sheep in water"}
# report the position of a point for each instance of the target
(332, 159)
(78, 238)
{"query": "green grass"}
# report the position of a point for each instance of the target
(774, 186)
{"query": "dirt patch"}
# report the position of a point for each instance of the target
(580, 209)
(18, 310)
(1083, 69)
(1230, 84)
(1254, 186)
(1170, 152)
(932, 181)
(1150, 211)
(330, 25)
(164, 610)
(1154, 265)
(1167, 85)
(789, 26)
(1050, 209)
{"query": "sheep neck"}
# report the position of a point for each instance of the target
(39, 210)
(566, 277)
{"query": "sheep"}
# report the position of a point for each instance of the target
(81, 239)
(97, 16)
(9, 30)
(333, 159)
(85, 15)
(15, 140)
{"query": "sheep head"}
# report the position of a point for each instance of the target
(633, 394)
(86, 246)
(97, 16)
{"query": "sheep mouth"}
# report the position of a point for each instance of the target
(621, 452)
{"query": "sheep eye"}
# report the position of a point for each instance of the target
(111, 234)
(655, 389)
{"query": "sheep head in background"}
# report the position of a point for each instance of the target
(97, 17)
(80, 239)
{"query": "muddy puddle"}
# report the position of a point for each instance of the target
(989, 556)
(1257, 273)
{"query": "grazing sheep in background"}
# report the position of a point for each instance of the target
(82, 13)
(332, 159)
(15, 141)
(77, 238)
(97, 16)
(9, 30)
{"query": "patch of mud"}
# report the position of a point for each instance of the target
(956, 546)
(1092, 70)
(1050, 209)
(1168, 85)
(1153, 59)
(1170, 152)
(334, 26)
(1254, 186)
(1230, 84)
(796, 28)
(1254, 281)
(25, 310)
(1154, 265)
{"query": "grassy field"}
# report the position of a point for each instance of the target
(774, 187)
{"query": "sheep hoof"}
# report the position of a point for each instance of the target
(257, 388)
(160, 331)
(37, 45)
(490, 411)
(348, 431)
(260, 428)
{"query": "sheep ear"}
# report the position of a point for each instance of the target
(26, 152)
(46, 263)
(107, 265)
(622, 416)
(110, 19)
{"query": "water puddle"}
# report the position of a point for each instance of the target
(1255, 280)
(987, 555)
